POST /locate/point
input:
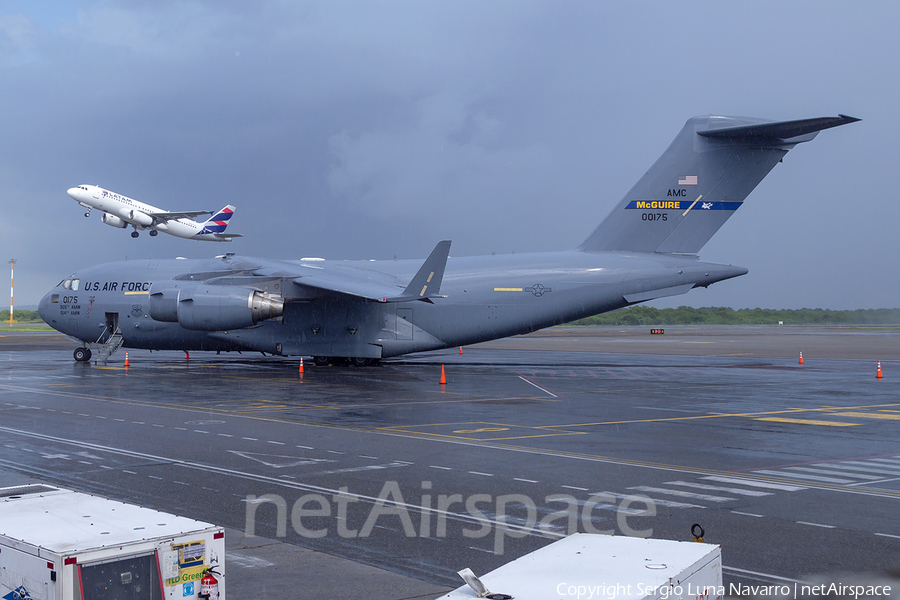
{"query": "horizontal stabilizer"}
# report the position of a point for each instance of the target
(661, 293)
(780, 131)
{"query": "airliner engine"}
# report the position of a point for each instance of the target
(136, 216)
(113, 220)
(212, 307)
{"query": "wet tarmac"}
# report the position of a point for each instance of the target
(794, 469)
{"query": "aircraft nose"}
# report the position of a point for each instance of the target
(44, 308)
(73, 193)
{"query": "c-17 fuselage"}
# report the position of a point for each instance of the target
(485, 298)
(367, 310)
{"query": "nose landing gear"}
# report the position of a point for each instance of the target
(88, 213)
(82, 354)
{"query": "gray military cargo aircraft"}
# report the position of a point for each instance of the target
(362, 311)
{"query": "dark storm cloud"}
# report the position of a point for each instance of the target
(368, 130)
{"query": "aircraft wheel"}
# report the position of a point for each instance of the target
(153, 233)
(358, 361)
(134, 234)
(321, 361)
(87, 214)
(82, 354)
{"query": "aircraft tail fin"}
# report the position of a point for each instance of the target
(218, 221)
(699, 181)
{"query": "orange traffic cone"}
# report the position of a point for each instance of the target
(878, 372)
(801, 357)
(443, 376)
(300, 371)
(460, 349)
(187, 355)
(126, 358)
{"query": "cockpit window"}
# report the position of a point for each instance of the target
(75, 283)
(67, 284)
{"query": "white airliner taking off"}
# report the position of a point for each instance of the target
(121, 211)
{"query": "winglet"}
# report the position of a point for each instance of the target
(427, 281)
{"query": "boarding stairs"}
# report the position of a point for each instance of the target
(103, 350)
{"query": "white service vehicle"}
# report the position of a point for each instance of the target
(57, 544)
(604, 567)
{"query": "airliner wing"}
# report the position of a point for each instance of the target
(163, 217)
(380, 287)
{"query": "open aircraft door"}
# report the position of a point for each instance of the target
(112, 324)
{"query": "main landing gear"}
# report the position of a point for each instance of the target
(153, 233)
(134, 234)
(339, 361)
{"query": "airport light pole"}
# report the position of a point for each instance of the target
(12, 264)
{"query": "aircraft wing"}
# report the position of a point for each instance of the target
(162, 217)
(378, 287)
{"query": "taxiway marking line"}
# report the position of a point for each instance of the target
(496, 427)
(815, 524)
(515, 437)
(806, 422)
(758, 574)
(863, 415)
(804, 477)
(546, 391)
(832, 472)
(863, 467)
(447, 436)
(719, 488)
(825, 409)
(731, 475)
(209, 468)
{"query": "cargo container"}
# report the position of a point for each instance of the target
(58, 544)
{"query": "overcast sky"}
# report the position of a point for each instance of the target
(375, 129)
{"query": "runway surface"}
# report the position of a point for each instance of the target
(794, 469)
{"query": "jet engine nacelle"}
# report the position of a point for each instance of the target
(219, 308)
(113, 220)
(136, 216)
(164, 299)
